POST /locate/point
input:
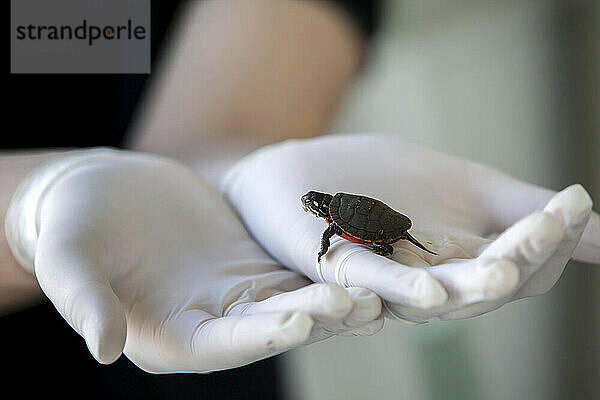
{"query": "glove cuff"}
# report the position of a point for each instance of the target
(22, 217)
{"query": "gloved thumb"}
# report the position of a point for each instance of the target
(79, 288)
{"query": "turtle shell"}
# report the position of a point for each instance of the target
(367, 219)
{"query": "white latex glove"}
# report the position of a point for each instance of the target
(138, 253)
(456, 206)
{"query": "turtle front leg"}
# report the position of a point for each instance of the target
(329, 232)
(383, 249)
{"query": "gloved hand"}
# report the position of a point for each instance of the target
(456, 206)
(138, 253)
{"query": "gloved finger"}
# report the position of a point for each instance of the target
(588, 248)
(524, 199)
(366, 310)
(71, 277)
(474, 287)
(368, 329)
(527, 244)
(333, 308)
(572, 208)
(352, 265)
(476, 280)
(322, 301)
(219, 343)
(471, 285)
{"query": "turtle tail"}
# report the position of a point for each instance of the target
(414, 241)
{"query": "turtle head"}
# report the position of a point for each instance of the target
(317, 203)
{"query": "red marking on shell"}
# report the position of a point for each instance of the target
(353, 239)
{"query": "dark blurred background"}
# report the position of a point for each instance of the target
(78, 110)
(41, 355)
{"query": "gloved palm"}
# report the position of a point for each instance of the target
(457, 208)
(137, 252)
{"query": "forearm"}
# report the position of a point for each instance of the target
(18, 288)
(244, 74)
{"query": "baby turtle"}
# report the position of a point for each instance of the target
(359, 219)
